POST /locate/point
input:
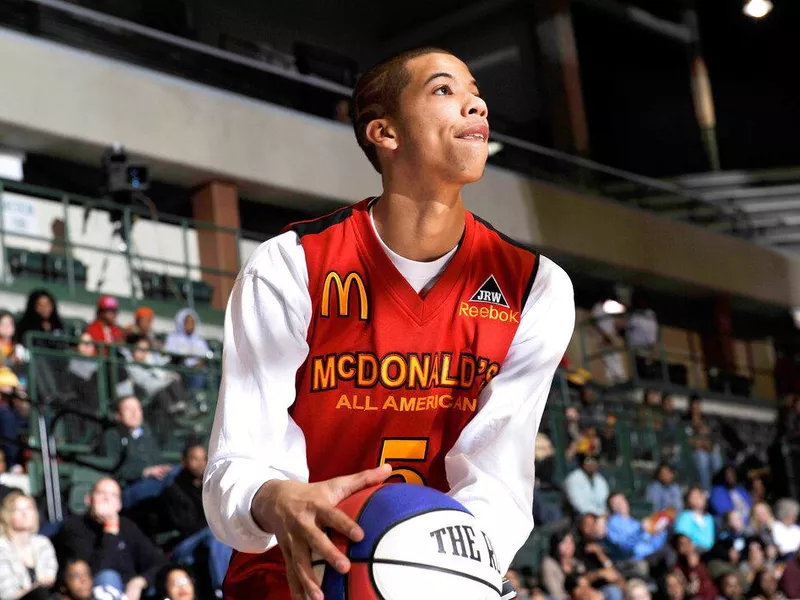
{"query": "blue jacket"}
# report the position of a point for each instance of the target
(627, 539)
(721, 503)
(702, 534)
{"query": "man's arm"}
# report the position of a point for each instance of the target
(254, 440)
(490, 469)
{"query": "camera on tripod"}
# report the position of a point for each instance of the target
(123, 181)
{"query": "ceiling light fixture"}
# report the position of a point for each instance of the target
(758, 9)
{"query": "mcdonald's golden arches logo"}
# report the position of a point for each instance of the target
(343, 289)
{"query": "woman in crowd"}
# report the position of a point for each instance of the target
(699, 584)
(27, 560)
(765, 587)
(761, 520)
(785, 530)
(187, 342)
(663, 493)
(11, 352)
(728, 495)
(173, 583)
(694, 522)
(74, 581)
(41, 315)
(559, 564)
(673, 587)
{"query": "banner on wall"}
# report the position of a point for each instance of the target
(20, 215)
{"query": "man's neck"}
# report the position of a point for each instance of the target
(419, 223)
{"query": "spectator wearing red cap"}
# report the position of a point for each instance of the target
(104, 329)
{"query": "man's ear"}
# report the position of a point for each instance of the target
(382, 133)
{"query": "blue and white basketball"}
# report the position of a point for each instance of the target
(419, 543)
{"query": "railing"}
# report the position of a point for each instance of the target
(680, 369)
(280, 83)
(88, 248)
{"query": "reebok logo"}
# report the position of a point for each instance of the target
(490, 293)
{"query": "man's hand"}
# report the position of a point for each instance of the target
(157, 471)
(296, 512)
(135, 588)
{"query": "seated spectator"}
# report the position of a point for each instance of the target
(601, 571)
(142, 326)
(694, 522)
(730, 587)
(27, 560)
(753, 561)
(729, 496)
(785, 530)
(674, 586)
(609, 449)
(760, 526)
(699, 584)
(626, 537)
(142, 471)
(187, 342)
(184, 506)
(162, 388)
(637, 590)
(14, 419)
(705, 449)
(733, 529)
(173, 583)
(765, 587)
(119, 554)
(559, 564)
(41, 316)
(663, 493)
(104, 329)
(11, 353)
(586, 489)
(518, 584)
(74, 581)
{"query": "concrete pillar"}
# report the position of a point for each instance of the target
(217, 203)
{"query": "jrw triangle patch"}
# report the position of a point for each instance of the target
(490, 293)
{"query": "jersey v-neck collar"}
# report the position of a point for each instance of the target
(421, 306)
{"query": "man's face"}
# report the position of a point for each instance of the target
(590, 465)
(619, 505)
(196, 460)
(106, 498)
(109, 317)
(730, 587)
(130, 413)
(666, 476)
(145, 323)
(442, 123)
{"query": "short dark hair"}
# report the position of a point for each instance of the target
(162, 576)
(192, 443)
(61, 578)
(377, 95)
(122, 399)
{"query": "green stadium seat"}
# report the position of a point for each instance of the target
(81, 481)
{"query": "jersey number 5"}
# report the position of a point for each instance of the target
(406, 450)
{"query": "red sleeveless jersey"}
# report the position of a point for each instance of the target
(392, 375)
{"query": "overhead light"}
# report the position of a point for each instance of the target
(757, 9)
(11, 162)
(494, 148)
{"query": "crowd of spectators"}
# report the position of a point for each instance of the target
(713, 523)
(143, 532)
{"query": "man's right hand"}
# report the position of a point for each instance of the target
(296, 512)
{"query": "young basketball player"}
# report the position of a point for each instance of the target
(401, 332)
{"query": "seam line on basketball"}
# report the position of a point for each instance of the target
(406, 563)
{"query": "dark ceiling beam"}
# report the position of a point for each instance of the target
(643, 19)
(432, 30)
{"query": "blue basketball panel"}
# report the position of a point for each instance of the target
(333, 584)
(392, 504)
